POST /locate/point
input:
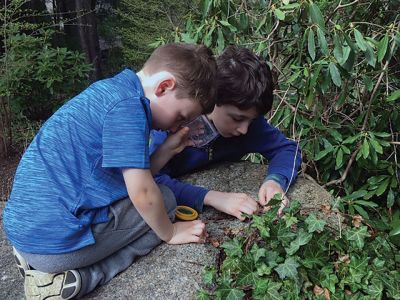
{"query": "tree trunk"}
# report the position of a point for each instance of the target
(88, 36)
(5, 127)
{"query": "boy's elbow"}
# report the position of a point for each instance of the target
(144, 199)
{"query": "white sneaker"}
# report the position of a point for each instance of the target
(40, 286)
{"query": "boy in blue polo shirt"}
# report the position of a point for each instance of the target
(84, 203)
(244, 96)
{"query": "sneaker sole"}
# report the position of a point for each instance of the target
(41, 286)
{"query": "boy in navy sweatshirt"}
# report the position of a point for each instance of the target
(244, 96)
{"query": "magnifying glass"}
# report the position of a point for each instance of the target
(186, 213)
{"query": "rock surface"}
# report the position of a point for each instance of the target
(174, 271)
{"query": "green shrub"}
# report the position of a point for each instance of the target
(337, 83)
(35, 77)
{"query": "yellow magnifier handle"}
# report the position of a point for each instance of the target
(186, 213)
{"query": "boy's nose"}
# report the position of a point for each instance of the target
(243, 129)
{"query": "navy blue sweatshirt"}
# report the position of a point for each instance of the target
(261, 138)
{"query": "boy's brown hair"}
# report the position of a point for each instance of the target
(244, 80)
(194, 68)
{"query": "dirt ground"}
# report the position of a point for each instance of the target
(7, 171)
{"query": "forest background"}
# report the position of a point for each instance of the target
(336, 70)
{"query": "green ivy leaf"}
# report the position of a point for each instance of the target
(392, 283)
(202, 295)
(311, 44)
(358, 235)
(235, 294)
(231, 263)
(233, 248)
(314, 224)
(302, 239)
(329, 282)
(358, 268)
(375, 289)
(265, 289)
(288, 269)
(285, 235)
(333, 70)
(382, 47)
(209, 276)
(314, 257)
(247, 274)
(257, 253)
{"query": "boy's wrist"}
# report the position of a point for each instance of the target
(210, 198)
(281, 180)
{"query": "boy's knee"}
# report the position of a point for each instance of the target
(169, 199)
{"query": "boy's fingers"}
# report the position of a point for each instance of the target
(198, 231)
(262, 196)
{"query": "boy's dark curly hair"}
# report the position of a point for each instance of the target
(244, 80)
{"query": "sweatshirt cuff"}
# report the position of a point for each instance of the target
(281, 180)
(199, 199)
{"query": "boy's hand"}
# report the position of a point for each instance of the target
(176, 142)
(268, 190)
(173, 145)
(234, 204)
(189, 232)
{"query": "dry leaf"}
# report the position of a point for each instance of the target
(357, 220)
(215, 242)
(326, 209)
(345, 259)
(326, 294)
(317, 290)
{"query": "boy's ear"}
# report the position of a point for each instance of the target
(165, 84)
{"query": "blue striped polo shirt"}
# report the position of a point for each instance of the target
(72, 170)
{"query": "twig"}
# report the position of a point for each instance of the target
(340, 6)
(346, 171)
(276, 110)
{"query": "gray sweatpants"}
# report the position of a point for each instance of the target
(118, 243)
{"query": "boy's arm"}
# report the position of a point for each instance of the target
(284, 157)
(234, 204)
(147, 199)
(185, 193)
